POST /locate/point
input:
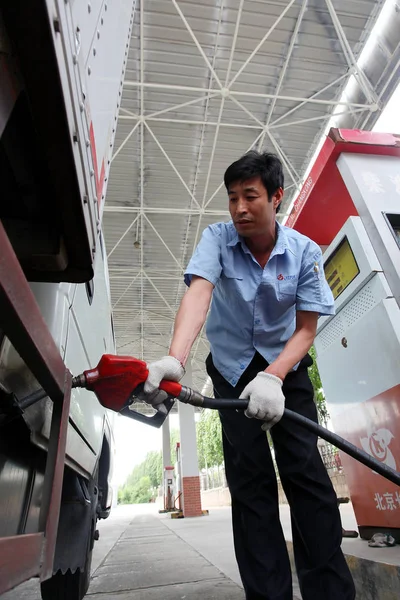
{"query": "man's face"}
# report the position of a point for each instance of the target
(251, 211)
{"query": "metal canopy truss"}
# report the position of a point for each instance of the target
(205, 82)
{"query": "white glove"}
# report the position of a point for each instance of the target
(266, 400)
(168, 368)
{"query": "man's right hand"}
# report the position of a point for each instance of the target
(168, 368)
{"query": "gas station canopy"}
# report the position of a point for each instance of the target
(205, 82)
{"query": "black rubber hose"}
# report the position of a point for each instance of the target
(32, 398)
(329, 436)
(348, 447)
(218, 403)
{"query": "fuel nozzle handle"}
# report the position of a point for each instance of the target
(114, 380)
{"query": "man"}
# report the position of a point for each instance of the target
(267, 287)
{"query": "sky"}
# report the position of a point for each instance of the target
(134, 440)
(389, 121)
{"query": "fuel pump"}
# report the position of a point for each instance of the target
(351, 207)
(178, 470)
(169, 489)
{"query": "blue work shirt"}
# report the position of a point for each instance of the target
(254, 309)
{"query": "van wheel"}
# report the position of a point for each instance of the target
(68, 585)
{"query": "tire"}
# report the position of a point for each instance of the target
(68, 585)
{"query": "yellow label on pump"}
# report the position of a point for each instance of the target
(341, 268)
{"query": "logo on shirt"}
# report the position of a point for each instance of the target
(285, 277)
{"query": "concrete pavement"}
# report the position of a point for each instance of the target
(145, 556)
(212, 538)
(149, 561)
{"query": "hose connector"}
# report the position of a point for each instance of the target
(189, 396)
(79, 381)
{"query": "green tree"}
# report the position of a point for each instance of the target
(209, 439)
(142, 480)
(153, 467)
(142, 493)
(201, 437)
(319, 396)
(125, 495)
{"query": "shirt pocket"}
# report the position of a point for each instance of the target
(287, 290)
(230, 287)
(231, 273)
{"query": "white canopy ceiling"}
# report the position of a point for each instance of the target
(206, 81)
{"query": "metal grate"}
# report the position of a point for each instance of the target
(331, 333)
(330, 457)
(359, 306)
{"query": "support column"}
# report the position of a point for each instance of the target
(166, 444)
(168, 488)
(189, 461)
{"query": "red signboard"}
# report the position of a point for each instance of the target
(324, 204)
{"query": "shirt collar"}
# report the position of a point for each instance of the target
(281, 243)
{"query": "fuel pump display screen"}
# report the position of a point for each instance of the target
(341, 268)
(393, 220)
(397, 234)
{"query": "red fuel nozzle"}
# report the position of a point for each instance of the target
(116, 378)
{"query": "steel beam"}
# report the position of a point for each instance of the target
(221, 185)
(287, 60)
(204, 202)
(141, 173)
(126, 140)
(196, 42)
(127, 289)
(261, 43)
(311, 100)
(53, 478)
(20, 558)
(22, 322)
(171, 163)
(123, 235)
(168, 249)
(349, 56)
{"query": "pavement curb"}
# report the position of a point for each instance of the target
(373, 580)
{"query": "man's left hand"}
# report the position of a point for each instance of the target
(167, 367)
(266, 399)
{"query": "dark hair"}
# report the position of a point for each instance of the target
(265, 165)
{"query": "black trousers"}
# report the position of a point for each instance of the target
(259, 542)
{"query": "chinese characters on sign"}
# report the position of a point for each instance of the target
(388, 501)
(374, 184)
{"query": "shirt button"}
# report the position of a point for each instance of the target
(242, 367)
(257, 321)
